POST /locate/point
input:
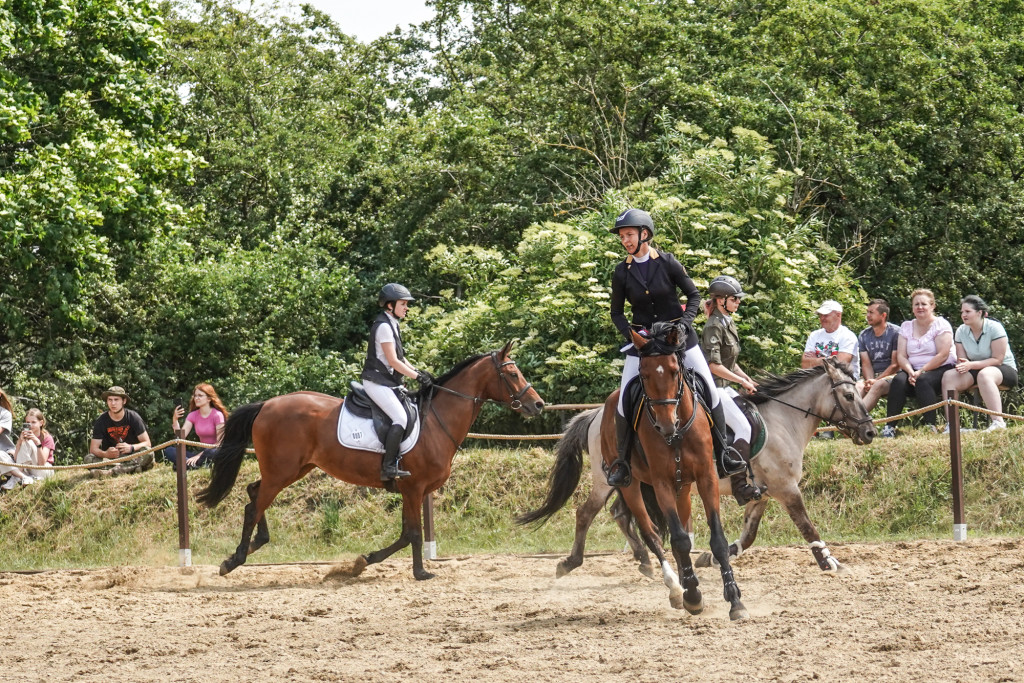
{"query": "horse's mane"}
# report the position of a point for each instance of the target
(462, 365)
(770, 385)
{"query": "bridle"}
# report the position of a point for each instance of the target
(514, 399)
(846, 423)
(681, 386)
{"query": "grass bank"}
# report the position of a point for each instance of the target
(892, 489)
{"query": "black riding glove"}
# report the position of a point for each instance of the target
(424, 378)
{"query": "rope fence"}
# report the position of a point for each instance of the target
(185, 553)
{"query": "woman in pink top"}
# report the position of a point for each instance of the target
(924, 354)
(207, 414)
(35, 447)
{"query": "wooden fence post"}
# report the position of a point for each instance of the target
(956, 467)
(184, 549)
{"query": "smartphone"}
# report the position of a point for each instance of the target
(177, 402)
(25, 426)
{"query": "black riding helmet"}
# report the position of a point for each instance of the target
(393, 292)
(635, 218)
(725, 285)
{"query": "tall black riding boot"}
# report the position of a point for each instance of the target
(744, 489)
(389, 469)
(729, 461)
(620, 473)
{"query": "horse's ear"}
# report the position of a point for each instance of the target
(638, 341)
(507, 349)
(673, 336)
(831, 367)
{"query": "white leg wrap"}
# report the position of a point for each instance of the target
(820, 550)
(669, 576)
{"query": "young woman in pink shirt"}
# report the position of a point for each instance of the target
(207, 415)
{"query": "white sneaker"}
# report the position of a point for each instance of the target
(11, 482)
(888, 432)
(26, 480)
(996, 425)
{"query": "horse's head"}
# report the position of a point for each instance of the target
(847, 411)
(661, 376)
(512, 387)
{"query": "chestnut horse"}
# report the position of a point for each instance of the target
(675, 451)
(293, 434)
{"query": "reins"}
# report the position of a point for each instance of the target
(843, 423)
(515, 399)
(676, 439)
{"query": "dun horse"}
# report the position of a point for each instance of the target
(675, 452)
(293, 434)
(792, 407)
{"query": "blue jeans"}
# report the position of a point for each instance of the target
(206, 457)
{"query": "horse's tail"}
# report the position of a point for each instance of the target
(237, 435)
(565, 475)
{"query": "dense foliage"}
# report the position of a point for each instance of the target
(198, 192)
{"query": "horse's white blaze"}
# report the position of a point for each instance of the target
(669, 576)
(661, 369)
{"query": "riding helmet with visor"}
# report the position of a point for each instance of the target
(393, 292)
(725, 285)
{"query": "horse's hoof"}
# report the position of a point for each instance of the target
(225, 567)
(703, 561)
(695, 606)
(675, 598)
(561, 570)
(738, 612)
(423, 575)
(647, 570)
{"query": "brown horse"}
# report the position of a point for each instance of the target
(293, 434)
(676, 451)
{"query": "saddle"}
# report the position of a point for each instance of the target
(758, 429)
(359, 404)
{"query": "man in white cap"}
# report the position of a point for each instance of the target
(832, 339)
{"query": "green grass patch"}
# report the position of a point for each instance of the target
(891, 489)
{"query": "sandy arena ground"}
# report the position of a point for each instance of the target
(917, 611)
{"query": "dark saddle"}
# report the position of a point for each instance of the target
(359, 404)
(758, 429)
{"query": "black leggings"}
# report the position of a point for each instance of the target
(927, 391)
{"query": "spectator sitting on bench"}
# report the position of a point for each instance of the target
(983, 358)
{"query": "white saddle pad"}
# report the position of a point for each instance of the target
(357, 432)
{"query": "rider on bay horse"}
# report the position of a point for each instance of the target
(385, 362)
(649, 279)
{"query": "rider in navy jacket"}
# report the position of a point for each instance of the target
(649, 280)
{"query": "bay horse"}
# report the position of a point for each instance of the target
(294, 433)
(792, 407)
(675, 451)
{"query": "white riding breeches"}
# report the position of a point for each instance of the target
(386, 400)
(693, 358)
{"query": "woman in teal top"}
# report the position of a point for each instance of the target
(983, 357)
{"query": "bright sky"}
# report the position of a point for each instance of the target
(369, 19)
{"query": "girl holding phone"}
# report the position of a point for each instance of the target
(207, 415)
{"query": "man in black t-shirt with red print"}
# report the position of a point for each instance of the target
(119, 432)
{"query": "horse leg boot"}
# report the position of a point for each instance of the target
(392, 441)
(743, 488)
(620, 473)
